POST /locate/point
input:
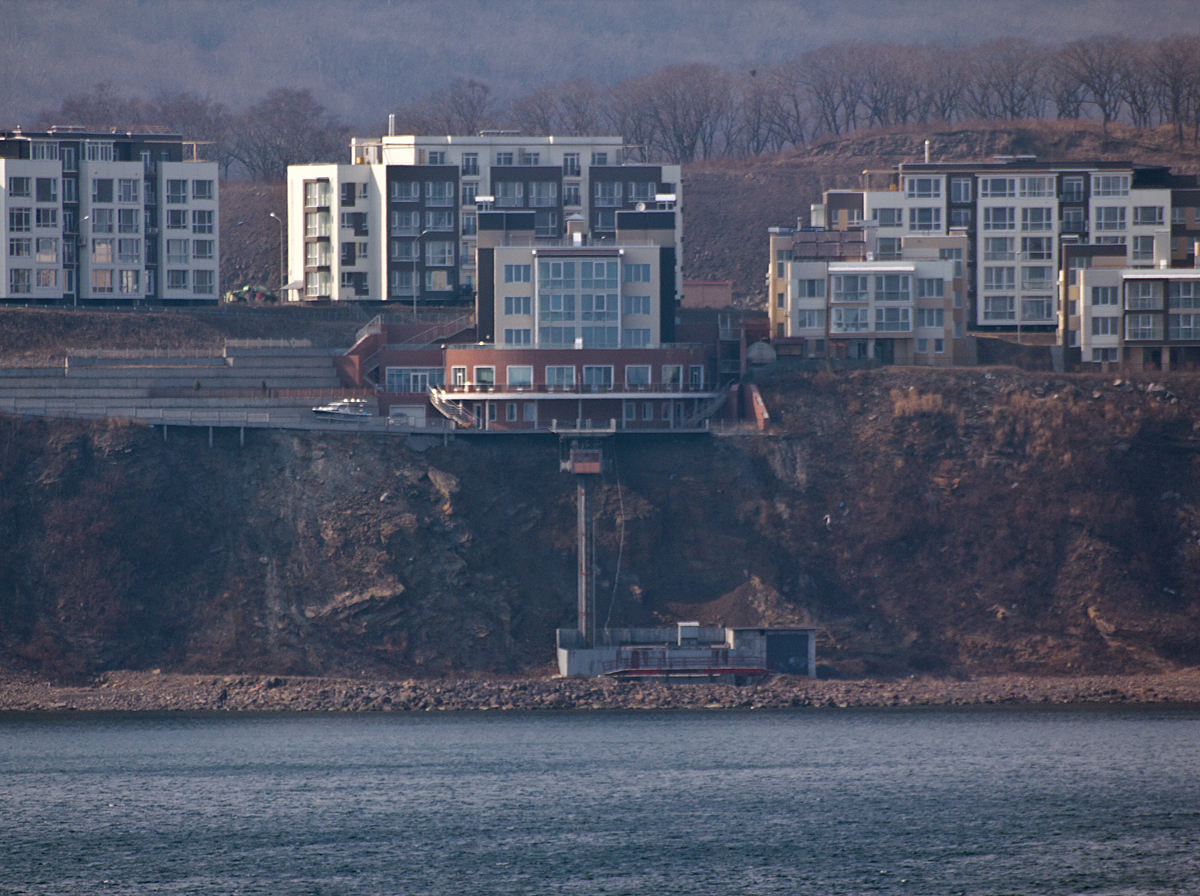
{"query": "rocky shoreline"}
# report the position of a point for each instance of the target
(155, 692)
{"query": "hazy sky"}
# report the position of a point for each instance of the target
(363, 57)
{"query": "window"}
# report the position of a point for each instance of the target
(20, 220)
(888, 217)
(47, 278)
(849, 288)
(608, 193)
(469, 226)
(1038, 277)
(599, 158)
(1073, 220)
(517, 336)
(317, 284)
(518, 305)
(1105, 326)
(637, 273)
(468, 193)
(606, 220)
(1143, 248)
(893, 320)
(509, 194)
(20, 247)
(1037, 219)
(1183, 294)
(923, 187)
(47, 250)
(560, 377)
(400, 283)
(44, 150)
(998, 248)
(1037, 308)
(102, 220)
(597, 376)
(356, 221)
(99, 151)
(128, 220)
(850, 320)
(930, 288)
(406, 191)
(47, 189)
(467, 254)
(517, 273)
(997, 187)
(69, 162)
(637, 375)
(415, 379)
(437, 281)
(1110, 217)
(1148, 215)
(439, 193)
(1104, 295)
(810, 289)
(598, 306)
(1143, 327)
(127, 189)
(439, 221)
(20, 280)
(960, 189)
(1072, 189)
(177, 252)
(635, 337)
(202, 283)
(1104, 354)
(406, 223)
(20, 187)
(129, 251)
(177, 219)
(1001, 218)
(888, 248)
(922, 346)
(470, 164)
(177, 193)
(439, 253)
(1143, 295)
(999, 278)
(570, 165)
(504, 159)
(637, 304)
(1178, 216)
(924, 219)
(46, 217)
(696, 376)
(599, 337)
(1037, 248)
(1036, 187)
(999, 308)
(1184, 326)
(641, 192)
(931, 317)
(102, 281)
(102, 251)
(811, 319)
(893, 288)
(960, 218)
(571, 195)
(519, 377)
(1110, 184)
(542, 194)
(1109, 241)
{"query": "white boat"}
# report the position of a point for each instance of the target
(353, 408)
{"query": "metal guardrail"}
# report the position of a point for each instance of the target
(269, 343)
(140, 353)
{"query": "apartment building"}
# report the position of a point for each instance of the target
(107, 218)
(833, 297)
(400, 223)
(1014, 212)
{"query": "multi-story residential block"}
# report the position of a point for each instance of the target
(1014, 212)
(834, 297)
(107, 218)
(400, 223)
(570, 333)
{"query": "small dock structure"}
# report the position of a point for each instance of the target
(688, 651)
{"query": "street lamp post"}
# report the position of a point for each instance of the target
(80, 245)
(282, 259)
(416, 253)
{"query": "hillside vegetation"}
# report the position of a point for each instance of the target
(958, 522)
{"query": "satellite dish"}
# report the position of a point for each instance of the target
(641, 206)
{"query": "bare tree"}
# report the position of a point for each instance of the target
(466, 107)
(945, 74)
(287, 127)
(1064, 88)
(201, 119)
(1137, 85)
(1097, 63)
(625, 110)
(687, 102)
(791, 106)
(1175, 63)
(536, 113)
(579, 101)
(835, 86)
(101, 109)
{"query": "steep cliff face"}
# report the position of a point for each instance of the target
(971, 521)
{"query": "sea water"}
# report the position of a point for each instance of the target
(905, 801)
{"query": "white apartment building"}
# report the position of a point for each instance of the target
(1014, 212)
(400, 223)
(114, 218)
